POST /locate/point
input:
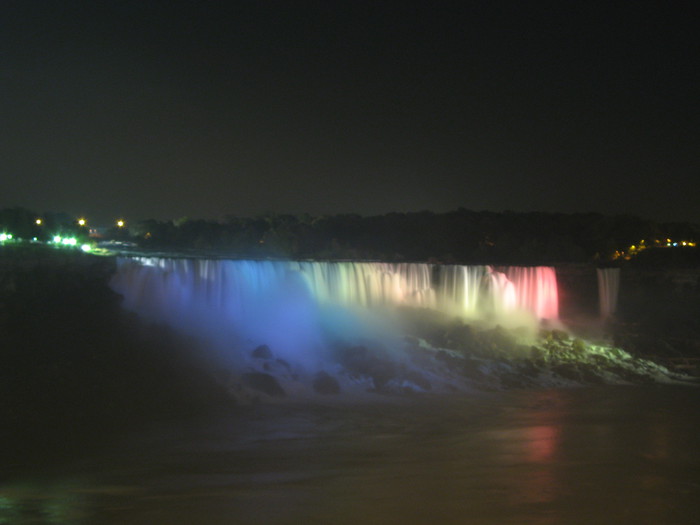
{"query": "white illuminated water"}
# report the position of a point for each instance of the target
(608, 290)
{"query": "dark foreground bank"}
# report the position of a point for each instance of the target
(75, 369)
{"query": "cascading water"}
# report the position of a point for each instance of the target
(296, 307)
(535, 290)
(608, 290)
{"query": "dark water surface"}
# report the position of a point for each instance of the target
(589, 455)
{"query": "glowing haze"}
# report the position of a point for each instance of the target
(300, 308)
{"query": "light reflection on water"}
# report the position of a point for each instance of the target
(608, 455)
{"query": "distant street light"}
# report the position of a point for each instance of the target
(120, 223)
(82, 222)
(38, 222)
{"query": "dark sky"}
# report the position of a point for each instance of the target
(165, 109)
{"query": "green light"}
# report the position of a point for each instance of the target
(86, 248)
(69, 241)
(4, 237)
(57, 239)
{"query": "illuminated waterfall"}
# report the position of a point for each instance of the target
(459, 288)
(535, 290)
(475, 291)
(283, 303)
(608, 290)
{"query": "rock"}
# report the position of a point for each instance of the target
(590, 375)
(324, 383)
(631, 375)
(536, 354)
(472, 369)
(419, 380)
(358, 361)
(568, 371)
(601, 360)
(381, 372)
(560, 336)
(355, 359)
(264, 383)
(510, 380)
(528, 368)
(578, 347)
(460, 336)
(262, 352)
(452, 362)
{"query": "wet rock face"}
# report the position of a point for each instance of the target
(264, 383)
(326, 384)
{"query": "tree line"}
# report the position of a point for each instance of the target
(459, 236)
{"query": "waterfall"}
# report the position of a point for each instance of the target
(459, 288)
(286, 304)
(536, 290)
(475, 291)
(608, 290)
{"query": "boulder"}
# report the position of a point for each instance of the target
(262, 352)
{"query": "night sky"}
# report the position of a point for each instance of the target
(202, 109)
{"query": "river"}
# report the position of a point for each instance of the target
(567, 456)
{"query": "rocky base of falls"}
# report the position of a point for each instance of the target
(452, 357)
